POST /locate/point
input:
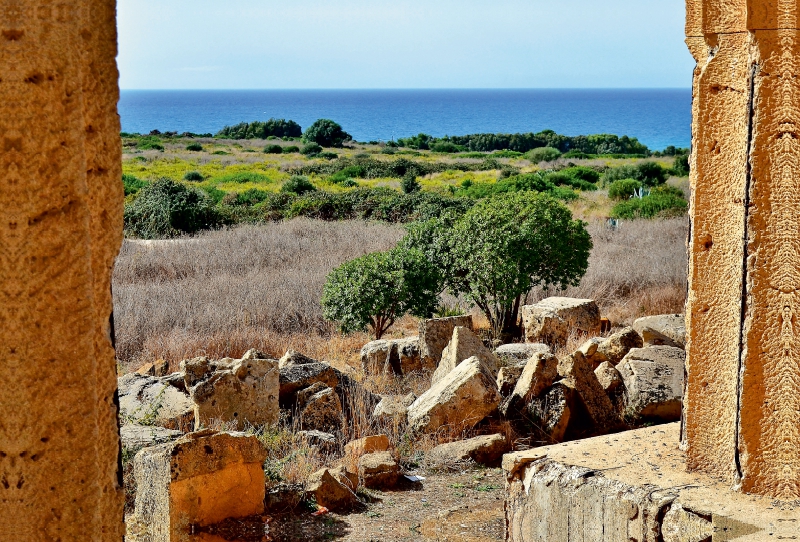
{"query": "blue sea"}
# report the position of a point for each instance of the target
(657, 117)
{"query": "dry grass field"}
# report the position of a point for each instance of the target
(223, 292)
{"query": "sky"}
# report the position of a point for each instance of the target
(326, 44)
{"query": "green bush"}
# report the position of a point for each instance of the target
(273, 149)
(253, 196)
(506, 154)
(501, 248)
(149, 143)
(273, 128)
(657, 204)
(299, 185)
(623, 189)
(311, 149)
(290, 149)
(376, 289)
(563, 178)
(543, 154)
(194, 147)
(243, 177)
(648, 173)
(328, 155)
(445, 146)
(327, 133)
(167, 208)
(680, 165)
(132, 184)
(409, 183)
(193, 176)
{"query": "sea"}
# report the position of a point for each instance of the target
(656, 117)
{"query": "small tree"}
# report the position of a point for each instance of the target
(374, 290)
(503, 247)
(326, 133)
(409, 183)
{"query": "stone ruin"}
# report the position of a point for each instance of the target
(61, 228)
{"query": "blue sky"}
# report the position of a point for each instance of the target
(268, 44)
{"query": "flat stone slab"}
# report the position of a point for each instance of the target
(632, 486)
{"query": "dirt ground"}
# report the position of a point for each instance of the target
(464, 506)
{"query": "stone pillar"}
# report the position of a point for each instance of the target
(742, 402)
(60, 230)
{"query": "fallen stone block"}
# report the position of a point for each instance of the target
(284, 498)
(199, 480)
(507, 378)
(148, 401)
(135, 437)
(393, 408)
(329, 492)
(662, 330)
(294, 358)
(485, 450)
(608, 377)
(653, 379)
(320, 409)
(520, 353)
(435, 334)
(615, 347)
(294, 378)
(464, 344)
(539, 374)
(367, 445)
(396, 356)
(157, 369)
(237, 392)
(552, 320)
(322, 440)
(551, 412)
(578, 374)
(460, 400)
(378, 470)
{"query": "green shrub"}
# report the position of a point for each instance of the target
(290, 149)
(327, 133)
(193, 176)
(311, 149)
(506, 154)
(132, 184)
(445, 146)
(273, 128)
(167, 208)
(563, 178)
(273, 149)
(243, 177)
(376, 289)
(657, 204)
(623, 189)
(253, 196)
(648, 173)
(409, 183)
(194, 147)
(328, 155)
(149, 143)
(299, 185)
(680, 165)
(543, 154)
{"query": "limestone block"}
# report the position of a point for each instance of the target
(552, 320)
(239, 392)
(507, 379)
(653, 378)
(367, 445)
(519, 353)
(460, 400)
(374, 356)
(294, 358)
(329, 492)
(201, 479)
(60, 231)
(148, 401)
(464, 344)
(294, 378)
(539, 374)
(662, 330)
(396, 356)
(608, 377)
(157, 368)
(322, 440)
(552, 411)
(614, 348)
(393, 408)
(321, 410)
(485, 450)
(577, 373)
(378, 470)
(435, 334)
(135, 437)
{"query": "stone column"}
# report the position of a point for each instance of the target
(742, 403)
(60, 230)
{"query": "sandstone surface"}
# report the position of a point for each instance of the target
(653, 378)
(464, 344)
(552, 320)
(329, 492)
(485, 450)
(662, 330)
(519, 353)
(147, 401)
(378, 470)
(435, 334)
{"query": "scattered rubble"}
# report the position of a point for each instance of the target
(378, 470)
(294, 358)
(136, 437)
(539, 374)
(329, 492)
(464, 344)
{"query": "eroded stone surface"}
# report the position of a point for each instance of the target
(653, 379)
(464, 344)
(435, 334)
(552, 320)
(148, 401)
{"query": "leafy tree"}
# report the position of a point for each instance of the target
(311, 149)
(327, 133)
(501, 248)
(168, 209)
(409, 183)
(299, 185)
(275, 128)
(376, 289)
(680, 166)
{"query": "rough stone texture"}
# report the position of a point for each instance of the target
(520, 352)
(539, 374)
(237, 392)
(577, 373)
(201, 479)
(322, 440)
(608, 377)
(147, 400)
(367, 445)
(552, 320)
(653, 379)
(507, 379)
(378, 470)
(662, 330)
(464, 344)
(435, 334)
(552, 411)
(294, 378)
(321, 411)
(294, 358)
(136, 437)
(396, 356)
(329, 492)
(60, 231)
(460, 400)
(393, 407)
(486, 450)
(631, 486)
(614, 348)
(157, 368)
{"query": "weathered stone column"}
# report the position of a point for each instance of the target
(60, 230)
(742, 403)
